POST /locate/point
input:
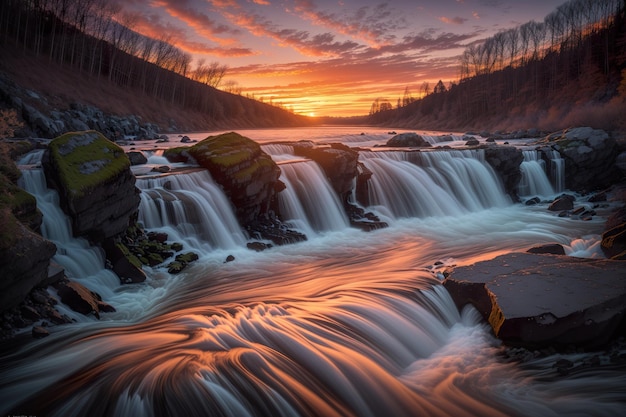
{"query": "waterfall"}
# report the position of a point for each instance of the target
(557, 171)
(437, 139)
(534, 180)
(309, 202)
(81, 261)
(191, 206)
(424, 184)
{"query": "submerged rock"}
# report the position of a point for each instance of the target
(535, 301)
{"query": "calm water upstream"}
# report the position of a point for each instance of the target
(347, 323)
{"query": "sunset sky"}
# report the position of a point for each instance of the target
(331, 57)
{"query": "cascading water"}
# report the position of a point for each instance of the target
(309, 201)
(422, 184)
(557, 171)
(192, 207)
(534, 180)
(344, 324)
(80, 260)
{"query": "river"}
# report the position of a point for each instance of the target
(347, 323)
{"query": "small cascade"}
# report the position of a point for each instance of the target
(192, 206)
(309, 203)
(437, 139)
(557, 171)
(81, 261)
(424, 184)
(534, 180)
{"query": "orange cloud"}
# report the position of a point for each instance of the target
(453, 20)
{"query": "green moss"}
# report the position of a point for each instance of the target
(22, 200)
(187, 257)
(8, 228)
(86, 159)
(12, 198)
(175, 267)
(227, 149)
(131, 258)
(154, 259)
(176, 154)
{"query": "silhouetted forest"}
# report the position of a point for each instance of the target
(568, 70)
(94, 40)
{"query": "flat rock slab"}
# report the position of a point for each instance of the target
(538, 300)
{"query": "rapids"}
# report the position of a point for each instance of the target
(347, 323)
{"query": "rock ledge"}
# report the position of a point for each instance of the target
(535, 301)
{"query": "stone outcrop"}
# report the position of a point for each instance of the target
(24, 264)
(82, 300)
(506, 161)
(408, 140)
(94, 180)
(536, 301)
(589, 156)
(245, 172)
(614, 236)
(338, 161)
(24, 255)
(341, 166)
(45, 121)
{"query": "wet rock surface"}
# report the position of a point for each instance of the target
(95, 183)
(534, 300)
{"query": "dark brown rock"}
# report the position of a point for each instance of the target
(549, 248)
(245, 172)
(125, 265)
(338, 162)
(614, 242)
(565, 202)
(589, 155)
(39, 332)
(95, 183)
(24, 265)
(408, 140)
(137, 157)
(506, 161)
(80, 299)
(536, 301)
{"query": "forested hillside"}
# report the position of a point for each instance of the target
(79, 51)
(568, 70)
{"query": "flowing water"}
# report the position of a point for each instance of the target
(347, 323)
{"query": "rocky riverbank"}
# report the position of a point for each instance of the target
(93, 177)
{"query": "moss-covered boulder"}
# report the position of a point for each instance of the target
(246, 173)
(95, 183)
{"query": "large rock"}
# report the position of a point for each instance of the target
(506, 162)
(408, 140)
(94, 180)
(82, 300)
(589, 155)
(24, 263)
(245, 172)
(338, 162)
(537, 301)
